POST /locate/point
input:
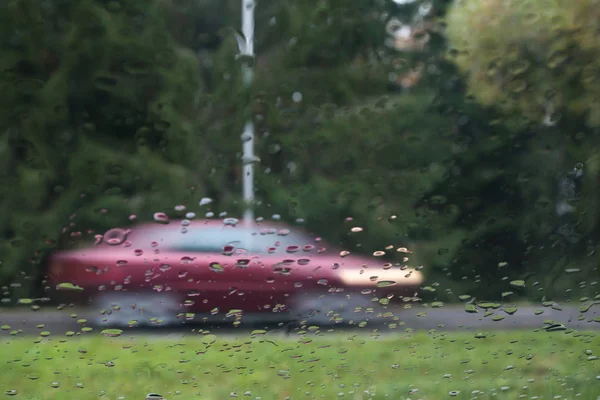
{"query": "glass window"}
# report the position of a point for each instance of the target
(436, 163)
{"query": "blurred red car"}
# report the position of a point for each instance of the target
(219, 270)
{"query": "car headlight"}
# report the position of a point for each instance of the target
(379, 277)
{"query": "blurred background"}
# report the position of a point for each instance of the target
(467, 131)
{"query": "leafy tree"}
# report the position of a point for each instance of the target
(540, 61)
(535, 64)
(97, 119)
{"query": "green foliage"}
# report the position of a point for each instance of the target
(97, 114)
(529, 58)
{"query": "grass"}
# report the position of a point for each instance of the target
(427, 365)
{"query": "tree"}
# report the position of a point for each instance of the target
(97, 119)
(540, 61)
(536, 66)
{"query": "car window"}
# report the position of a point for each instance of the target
(218, 240)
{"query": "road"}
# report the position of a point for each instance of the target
(419, 317)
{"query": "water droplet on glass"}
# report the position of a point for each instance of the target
(231, 221)
(518, 283)
(69, 287)
(115, 236)
(161, 218)
(216, 267)
(112, 332)
(356, 229)
(205, 201)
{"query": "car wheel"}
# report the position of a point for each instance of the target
(333, 309)
(121, 310)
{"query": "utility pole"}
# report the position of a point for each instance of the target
(246, 45)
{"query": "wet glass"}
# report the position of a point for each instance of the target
(293, 199)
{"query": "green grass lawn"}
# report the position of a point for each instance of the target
(501, 365)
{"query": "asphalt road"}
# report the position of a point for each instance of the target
(419, 317)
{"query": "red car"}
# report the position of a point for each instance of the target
(219, 270)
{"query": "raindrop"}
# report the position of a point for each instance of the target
(216, 267)
(231, 221)
(161, 218)
(292, 249)
(555, 327)
(205, 201)
(190, 215)
(69, 287)
(510, 310)
(112, 332)
(518, 284)
(115, 236)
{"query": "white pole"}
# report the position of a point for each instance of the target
(248, 157)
